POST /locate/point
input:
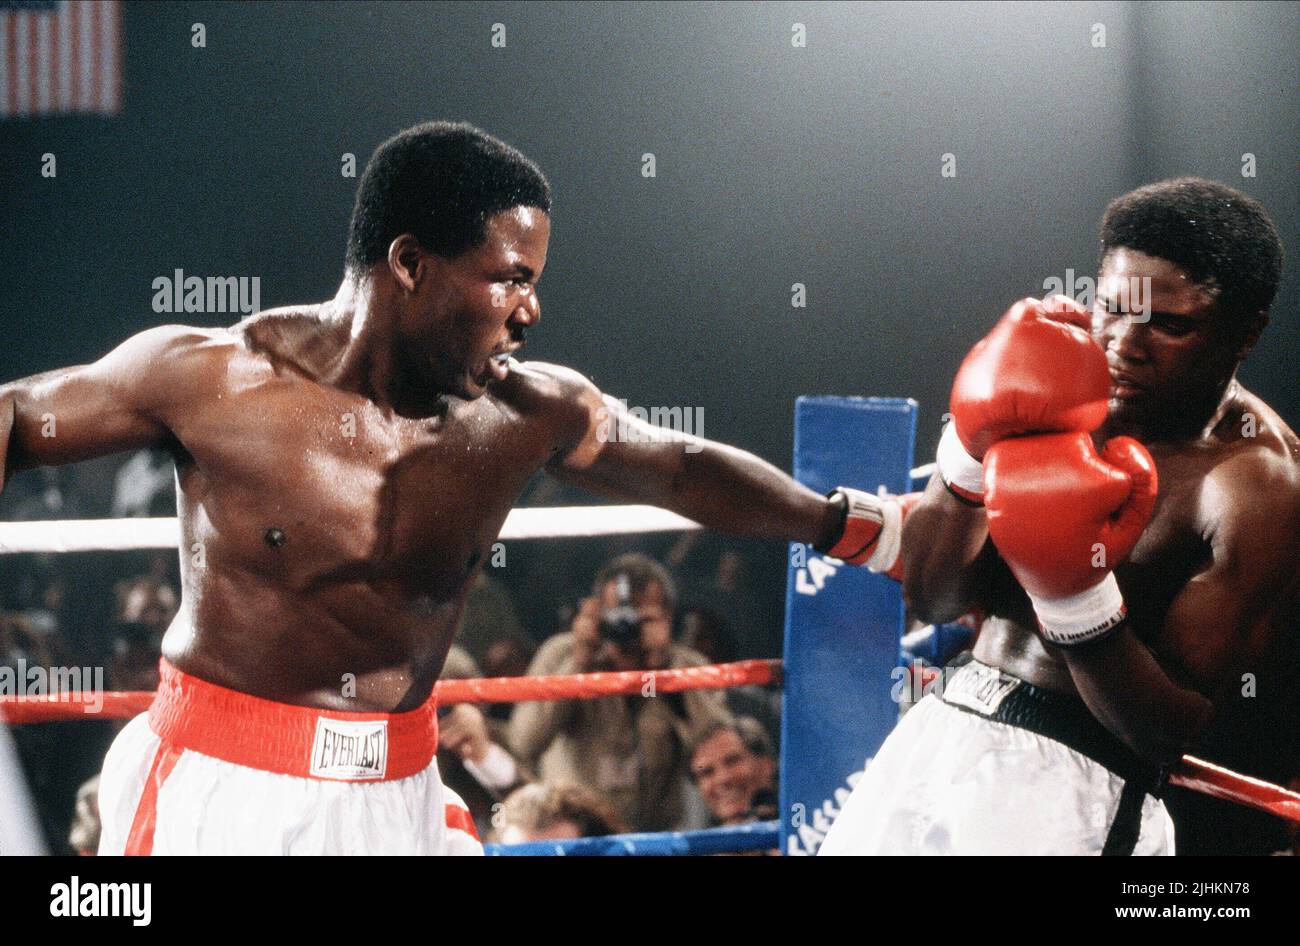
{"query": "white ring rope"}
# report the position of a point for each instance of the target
(538, 522)
(556, 522)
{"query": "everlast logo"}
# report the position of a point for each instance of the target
(351, 751)
(979, 688)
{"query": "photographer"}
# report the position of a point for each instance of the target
(630, 748)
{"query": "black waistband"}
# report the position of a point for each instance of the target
(1062, 717)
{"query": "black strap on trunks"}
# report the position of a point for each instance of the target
(1066, 719)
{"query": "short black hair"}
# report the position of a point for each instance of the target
(442, 182)
(1223, 238)
(642, 571)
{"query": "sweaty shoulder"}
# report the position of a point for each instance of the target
(564, 397)
(167, 362)
(1258, 444)
(542, 382)
(1254, 487)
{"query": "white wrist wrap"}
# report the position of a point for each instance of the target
(1080, 618)
(960, 472)
(890, 542)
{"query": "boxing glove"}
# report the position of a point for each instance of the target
(1062, 517)
(1038, 371)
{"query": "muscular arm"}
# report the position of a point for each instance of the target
(720, 487)
(947, 555)
(88, 411)
(1158, 699)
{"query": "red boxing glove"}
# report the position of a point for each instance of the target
(1038, 371)
(1062, 517)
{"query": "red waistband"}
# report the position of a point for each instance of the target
(291, 740)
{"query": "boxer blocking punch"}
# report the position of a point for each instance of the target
(1093, 670)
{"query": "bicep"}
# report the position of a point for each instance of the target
(87, 411)
(613, 452)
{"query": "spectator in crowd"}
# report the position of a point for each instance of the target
(50, 497)
(719, 578)
(20, 641)
(145, 608)
(84, 836)
(491, 631)
(734, 769)
(554, 813)
(472, 758)
(706, 631)
(144, 486)
(630, 748)
(43, 617)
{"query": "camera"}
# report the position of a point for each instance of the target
(621, 624)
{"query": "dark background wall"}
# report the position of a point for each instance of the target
(776, 165)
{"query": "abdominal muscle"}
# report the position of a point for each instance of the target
(323, 661)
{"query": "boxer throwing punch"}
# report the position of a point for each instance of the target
(343, 469)
(1129, 517)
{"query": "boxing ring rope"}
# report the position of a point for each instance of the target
(535, 523)
(19, 710)
(539, 522)
(732, 839)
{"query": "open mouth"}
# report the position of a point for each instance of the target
(498, 364)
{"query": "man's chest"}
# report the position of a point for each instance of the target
(331, 484)
(1175, 546)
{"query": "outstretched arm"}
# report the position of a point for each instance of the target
(71, 414)
(723, 488)
(948, 560)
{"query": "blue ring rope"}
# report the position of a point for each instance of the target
(732, 839)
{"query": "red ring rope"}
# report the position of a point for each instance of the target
(578, 686)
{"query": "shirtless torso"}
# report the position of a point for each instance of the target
(1208, 487)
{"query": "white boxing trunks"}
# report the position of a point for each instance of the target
(976, 772)
(212, 771)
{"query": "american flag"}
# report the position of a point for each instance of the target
(60, 56)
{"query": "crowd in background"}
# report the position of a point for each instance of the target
(529, 771)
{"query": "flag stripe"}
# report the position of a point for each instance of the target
(21, 75)
(108, 38)
(74, 52)
(5, 83)
(33, 66)
(64, 33)
(41, 62)
(61, 56)
(95, 47)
